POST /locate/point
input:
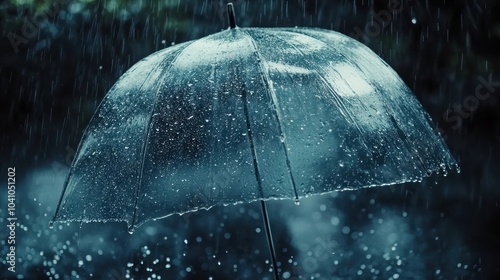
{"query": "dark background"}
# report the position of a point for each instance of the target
(68, 54)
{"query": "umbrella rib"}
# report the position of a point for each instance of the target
(264, 75)
(406, 142)
(148, 133)
(250, 139)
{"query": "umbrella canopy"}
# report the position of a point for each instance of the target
(248, 114)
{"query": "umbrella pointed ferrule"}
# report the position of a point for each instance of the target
(230, 15)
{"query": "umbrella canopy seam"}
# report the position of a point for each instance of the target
(267, 81)
(148, 131)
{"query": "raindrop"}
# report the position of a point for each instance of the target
(296, 200)
(131, 229)
(414, 20)
(51, 224)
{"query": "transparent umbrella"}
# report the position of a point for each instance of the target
(282, 112)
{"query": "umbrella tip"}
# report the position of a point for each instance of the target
(230, 15)
(131, 229)
(296, 201)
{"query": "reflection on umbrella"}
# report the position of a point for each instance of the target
(283, 113)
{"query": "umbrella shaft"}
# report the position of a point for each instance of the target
(269, 235)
